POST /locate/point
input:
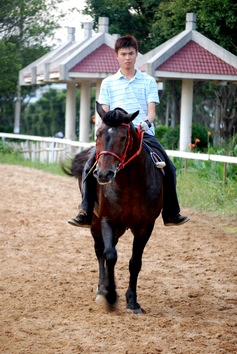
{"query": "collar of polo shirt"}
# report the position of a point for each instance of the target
(138, 75)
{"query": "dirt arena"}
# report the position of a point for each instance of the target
(187, 287)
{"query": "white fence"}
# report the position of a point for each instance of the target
(45, 150)
(51, 150)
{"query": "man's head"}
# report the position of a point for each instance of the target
(126, 50)
(127, 41)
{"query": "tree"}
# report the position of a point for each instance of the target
(134, 16)
(227, 100)
(24, 25)
(47, 115)
(153, 22)
(216, 19)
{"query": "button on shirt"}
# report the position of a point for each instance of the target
(134, 95)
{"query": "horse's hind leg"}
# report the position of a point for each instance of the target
(135, 265)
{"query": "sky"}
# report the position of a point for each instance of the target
(73, 20)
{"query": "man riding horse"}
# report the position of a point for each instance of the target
(132, 91)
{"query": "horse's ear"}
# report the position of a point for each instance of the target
(100, 110)
(132, 116)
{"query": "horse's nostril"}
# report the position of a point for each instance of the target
(110, 174)
(104, 177)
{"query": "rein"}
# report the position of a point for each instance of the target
(128, 145)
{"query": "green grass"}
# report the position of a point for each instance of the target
(207, 195)
(201, 188)
(17, 159)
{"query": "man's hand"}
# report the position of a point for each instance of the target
(145, 125)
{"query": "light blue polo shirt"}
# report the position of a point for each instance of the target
(134, 95)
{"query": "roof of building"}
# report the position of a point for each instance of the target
(101, 60)
(188, 55)
(192, 58)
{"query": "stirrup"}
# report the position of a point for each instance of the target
(157, 160)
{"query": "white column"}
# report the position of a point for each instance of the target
(17, 110)
(70, 116)
(98, 120)
(186, 114)
(85, 112)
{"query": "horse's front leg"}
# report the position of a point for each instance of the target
(135, 265)
(110, 255)
(99, 250)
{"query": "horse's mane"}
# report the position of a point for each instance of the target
(116, 117)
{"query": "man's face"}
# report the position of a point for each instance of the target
(126, 57)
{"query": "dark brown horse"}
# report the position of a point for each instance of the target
(129, 196)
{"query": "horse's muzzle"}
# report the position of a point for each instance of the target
(104, 178)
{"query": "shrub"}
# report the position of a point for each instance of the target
(169, 137)
(6, 149)
(200, 132)
(160, 131)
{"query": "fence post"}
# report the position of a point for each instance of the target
(185, 166)
(224, 173)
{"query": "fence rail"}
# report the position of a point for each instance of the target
(51, 150)
(45, 150)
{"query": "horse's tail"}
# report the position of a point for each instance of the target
(77, 164)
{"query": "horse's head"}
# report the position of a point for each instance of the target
(113, 140)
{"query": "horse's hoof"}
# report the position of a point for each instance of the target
(111, 307)
(111, 298)
(100, 299)
(134, 311)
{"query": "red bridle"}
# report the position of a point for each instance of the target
(128, 146)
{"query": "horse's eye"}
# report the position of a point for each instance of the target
(123, 138)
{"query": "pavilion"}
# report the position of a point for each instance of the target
(78, 64)
(188, 56)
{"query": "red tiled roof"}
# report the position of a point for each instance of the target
(101, 60)
(193, 58)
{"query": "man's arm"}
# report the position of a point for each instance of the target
(151, 112)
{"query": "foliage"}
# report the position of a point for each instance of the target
(5, 149)
(46, 116)
(216, 19)
(15, 158)
(200, 132)
(169, 136)
(24, 26)
(227, 100)
(160, 132)
(207, 193)
(153, 22)
(132, 16)
(28, 22)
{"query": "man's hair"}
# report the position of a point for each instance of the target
(126, 42)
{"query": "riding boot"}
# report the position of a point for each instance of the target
(88, 191)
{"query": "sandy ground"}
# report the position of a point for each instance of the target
(187, 286)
